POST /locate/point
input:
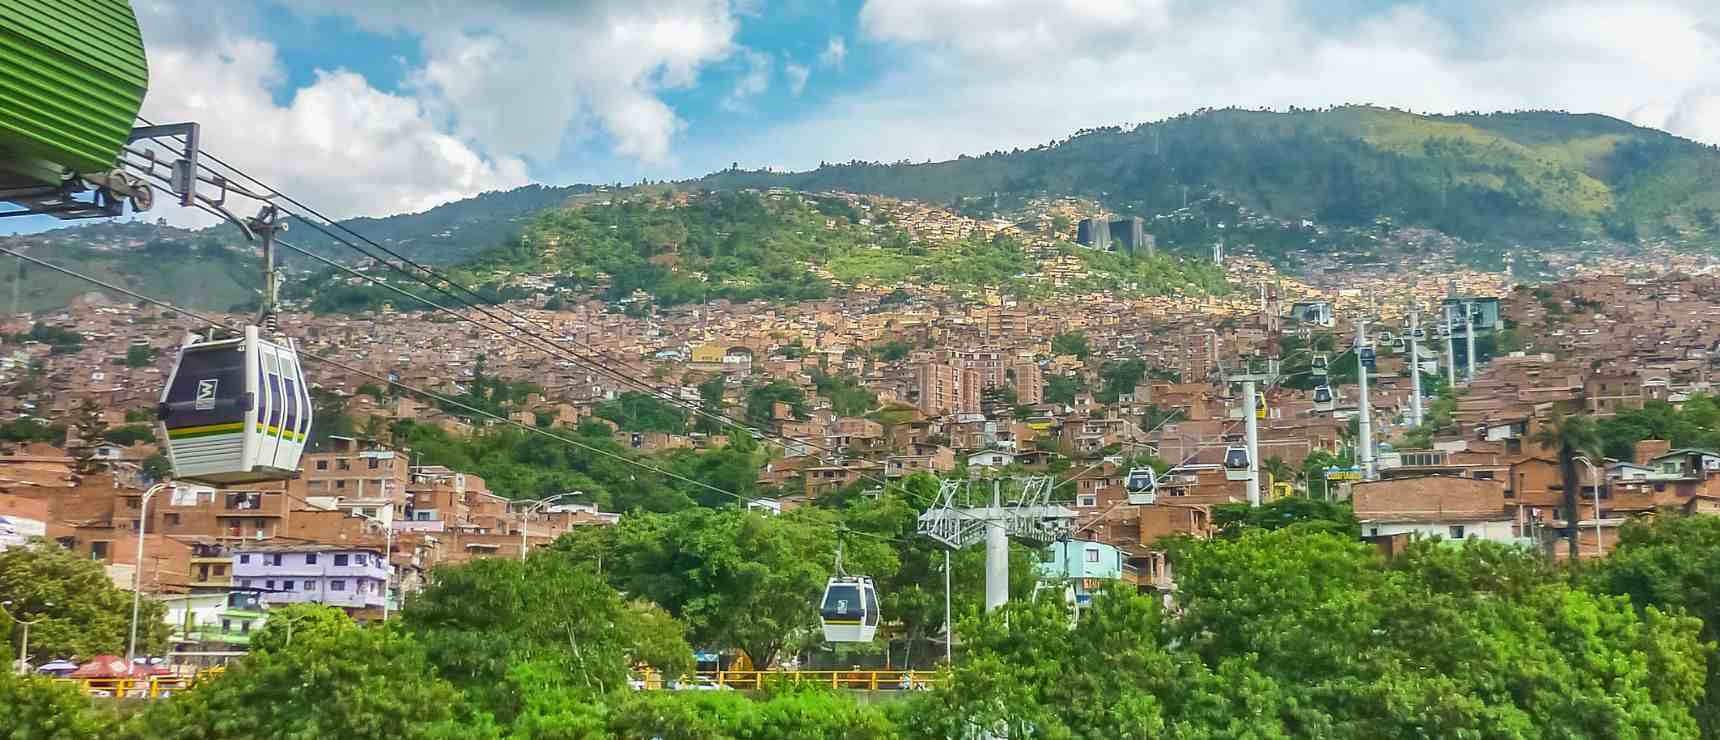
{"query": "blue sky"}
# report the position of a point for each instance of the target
(382, 106)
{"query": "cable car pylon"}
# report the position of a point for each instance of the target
(958, 520)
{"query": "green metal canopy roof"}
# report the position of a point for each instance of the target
(72, 78)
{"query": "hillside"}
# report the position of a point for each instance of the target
(683, 247)
(450, 232)
(1533, 177)
(153, 260)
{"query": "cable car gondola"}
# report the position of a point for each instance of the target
(1367, 357)
(1259, 405)
(1236, 462)
(1324, 400)
(235, 410)
(849, 611)
(1320, 364)
(1142, 485)
(1399, 345)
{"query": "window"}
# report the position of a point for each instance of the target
(322, 465)
(1484, 475)
(226, 625)
(374, 463)
(245, 583)
(310, 558)
(269, 584)
(220, 570)
(1086, 501)
(340, 560)
(1092, 556)
(310, 585)
(343, 464)
(286, 585)
(1373, 531)
(245, 627)
(1457, 531)
(172, 519)
(244, 558)
(340, 484)
(337, 585)
(275, 559)
(98, 550)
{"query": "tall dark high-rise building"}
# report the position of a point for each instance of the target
(1130, 235)
(1094, 233)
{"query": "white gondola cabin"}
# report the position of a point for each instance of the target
(1368, 358)
(1324, 400)
(849, 612)
(235, 410)
(1142, 485)
(1320, 364)
(1236, 462)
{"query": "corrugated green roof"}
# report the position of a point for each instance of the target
(72, 78)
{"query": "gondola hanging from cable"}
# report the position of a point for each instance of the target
(1236, 462)
(237, 409)
(1368, 359)
(849, 610)
(1324, 401)
(1142, 485)
(1319, 364)
(1259, 405)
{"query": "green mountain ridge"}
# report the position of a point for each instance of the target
(1532, 177)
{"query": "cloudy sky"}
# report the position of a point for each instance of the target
(382, 106)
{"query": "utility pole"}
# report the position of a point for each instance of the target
(1469, 342)
(1365, 442)
(1251, 437)
(1415, 365)
(1450, 349)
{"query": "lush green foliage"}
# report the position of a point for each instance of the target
(1291, 634)
(1528, 176)
(762, 401)
(1293, 511)
(39, 709)
(89, 616)
(129, 435)
(848, 396)
(1695, 424)
(634, 411)
(1071, 343)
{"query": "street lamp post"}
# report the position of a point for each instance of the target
(137, 572)
(533, 506)
(24, 647)
(387, 558)
(1596, 478)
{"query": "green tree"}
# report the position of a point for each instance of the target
(762, 400)
(1672, 563)
(1572, 435)
(736, 577)
(1071, 343)
(1062, 389)
(634, 411)
(39, 709)
(129, 435)
(711, 405)
(895, 350)
(1292, 511)
(481, 621)
(370, 389)
(88, 615)
(346, 682)
(1120, 378)
(139, 355)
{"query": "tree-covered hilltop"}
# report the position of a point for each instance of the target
(743, 245)
(1536, 176)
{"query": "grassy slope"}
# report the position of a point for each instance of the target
(1533, 176)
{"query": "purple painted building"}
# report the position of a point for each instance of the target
(349, 577)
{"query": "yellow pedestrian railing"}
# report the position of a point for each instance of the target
(857, 680)
(152, 687)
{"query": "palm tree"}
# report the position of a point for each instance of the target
(1573, 435)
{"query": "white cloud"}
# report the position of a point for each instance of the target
(835, 52)
(522, 77)
(753, 81)
(338, 143)
(973, 76)
(797, 75)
